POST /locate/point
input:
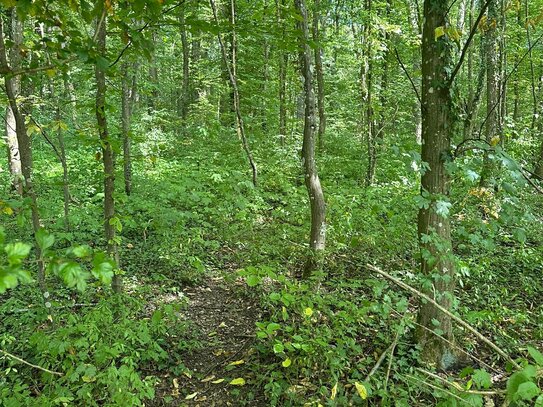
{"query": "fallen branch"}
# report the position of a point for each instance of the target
(446, 312)
(379, 362)
(460, 388)
(18, 359)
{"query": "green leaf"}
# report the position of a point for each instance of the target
(240, 381)
(82, 251)
(536, 355)
(16, 252)
(482, 379)
(278, 348)
(44, 239)
(253, 280)
(528, 390)
(286, 363)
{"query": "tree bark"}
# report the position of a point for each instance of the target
(283, 61)
(367, 77)
(434, 228)
(107, 152)
(233, 83)
(317, 38)
(317, 239)
(185, 87)
(492, 87)
(14, 157)
(128, 92)
(25, 149)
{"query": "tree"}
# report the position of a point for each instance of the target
(25, 148)
(14, 157)
(107, 150)
(434, 229)
(317, 235)
(317, 38)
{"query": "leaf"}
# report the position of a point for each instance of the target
(208, 379)
(442, 208)
(237, 362)
(287, 362)
(253, 280)
(217, 381)
(528, 390)
(308, 312)
(482, 379)
(82, 251)
(191, 396)
(494, 141)
(334, 392)
(240, 381)
(439, 32)
(361, 389)
(536, 355)
(278, 348)
(16, 252)
(44, 239)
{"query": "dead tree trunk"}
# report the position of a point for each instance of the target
(317, 239)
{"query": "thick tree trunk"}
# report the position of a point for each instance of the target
(234, 84)
(434, 228)
(107, 153)
(317, 239)
(317, 37)
(492, 87)
(25, 149)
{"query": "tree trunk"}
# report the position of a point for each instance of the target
(434, 228)
(153, 76)
(185, 87)
(128, 92)
(283, 61)
(367, 76)
(233, 83)
(317, 38)
(317, 239)
(474, 102)
(25, 149)
(14, 157)
(492, 87)
(107, 153)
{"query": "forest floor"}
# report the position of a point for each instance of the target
(223, 318)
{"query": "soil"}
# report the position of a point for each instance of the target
(223, 317)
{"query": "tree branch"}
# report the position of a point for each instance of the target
(18, 359)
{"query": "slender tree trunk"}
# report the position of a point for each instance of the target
(434, 228)
(65, 176)
(153, 75)
(531, 60)
(492, 86)
(538, 169)
(107, 153)
(317, 239)
(14, 157)
(233, 83)
(128, 92)
(368, 109)
(474, 102)
(516, 87)
(185, 89)
(317, 37)
(283, 61)
(25, 149)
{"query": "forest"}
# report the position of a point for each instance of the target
(271, 203)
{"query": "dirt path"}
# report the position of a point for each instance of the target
(224, 319)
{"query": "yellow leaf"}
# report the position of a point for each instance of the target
(361, 389)
(439, 32)
(237, 362)
(240, 381)
(334, 392)
(217, 381)
(88, 379)
(308, 312)
(51, 72)
(7, 210)
(191, 396)
(287, 362)
(208, 379)
(175, 383)
(494, 141)
(188, 374)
